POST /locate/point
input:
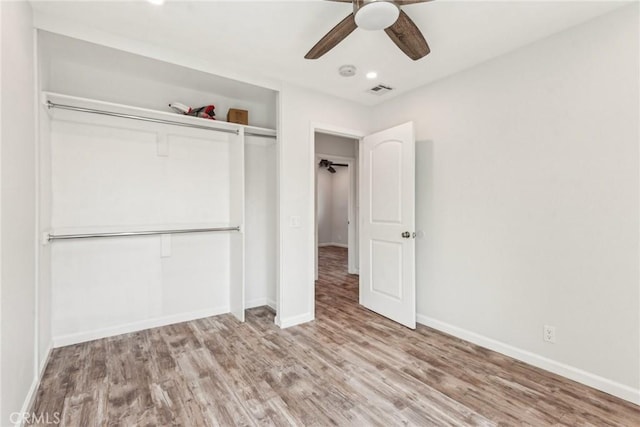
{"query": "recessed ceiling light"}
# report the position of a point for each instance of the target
(372, 75)
(156, 2)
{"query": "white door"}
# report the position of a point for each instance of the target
(387, 205)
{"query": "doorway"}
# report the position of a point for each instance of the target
(336, 238)
(385, 186)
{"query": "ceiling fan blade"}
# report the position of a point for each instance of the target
(406, 35)
(332, 38)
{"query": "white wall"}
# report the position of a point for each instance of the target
(300, 109)
(333, 206)
(260, 222)
(17, 198)
(527, 191)
(335, 145)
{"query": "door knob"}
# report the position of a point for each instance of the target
(406, 235)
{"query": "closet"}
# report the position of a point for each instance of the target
(149, 217)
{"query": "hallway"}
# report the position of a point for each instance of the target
(334, 283)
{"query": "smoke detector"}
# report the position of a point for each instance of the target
(347, 71)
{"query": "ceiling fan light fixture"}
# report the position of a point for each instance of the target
(377, 15)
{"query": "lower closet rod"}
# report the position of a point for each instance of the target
(139, 233)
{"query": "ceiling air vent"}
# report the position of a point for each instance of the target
(380, 89)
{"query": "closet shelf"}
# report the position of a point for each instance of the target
(50, 99)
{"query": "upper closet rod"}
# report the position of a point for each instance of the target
(147, 119)
(139, 233)
(133, 117)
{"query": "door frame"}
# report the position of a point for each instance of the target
(352, 238)
(313, 246)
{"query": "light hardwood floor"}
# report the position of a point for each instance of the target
(349, 367)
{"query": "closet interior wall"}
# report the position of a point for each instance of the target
(103, 174)
(261, 165)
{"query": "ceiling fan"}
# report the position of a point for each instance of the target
(377, 15)
(324, 163)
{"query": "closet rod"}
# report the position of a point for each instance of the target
(139, 233)
(133, 117)
(263, 135)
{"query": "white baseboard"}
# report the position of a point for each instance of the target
(64, 340)
(294, 320)
(600, 383)
(259, 302)
(340, 245)
(45, 361)
(33, 389)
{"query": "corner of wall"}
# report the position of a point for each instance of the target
(294, 320)
(29, 400)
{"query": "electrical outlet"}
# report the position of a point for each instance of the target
(549, 334)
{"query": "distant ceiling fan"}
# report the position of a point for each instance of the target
(377, 15)
(324, 163)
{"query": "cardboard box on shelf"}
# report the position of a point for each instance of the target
(238, 116)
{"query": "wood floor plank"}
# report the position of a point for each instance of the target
(349, 367)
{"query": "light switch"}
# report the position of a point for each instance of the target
(294, 221)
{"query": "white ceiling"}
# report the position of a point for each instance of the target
(270, 38)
